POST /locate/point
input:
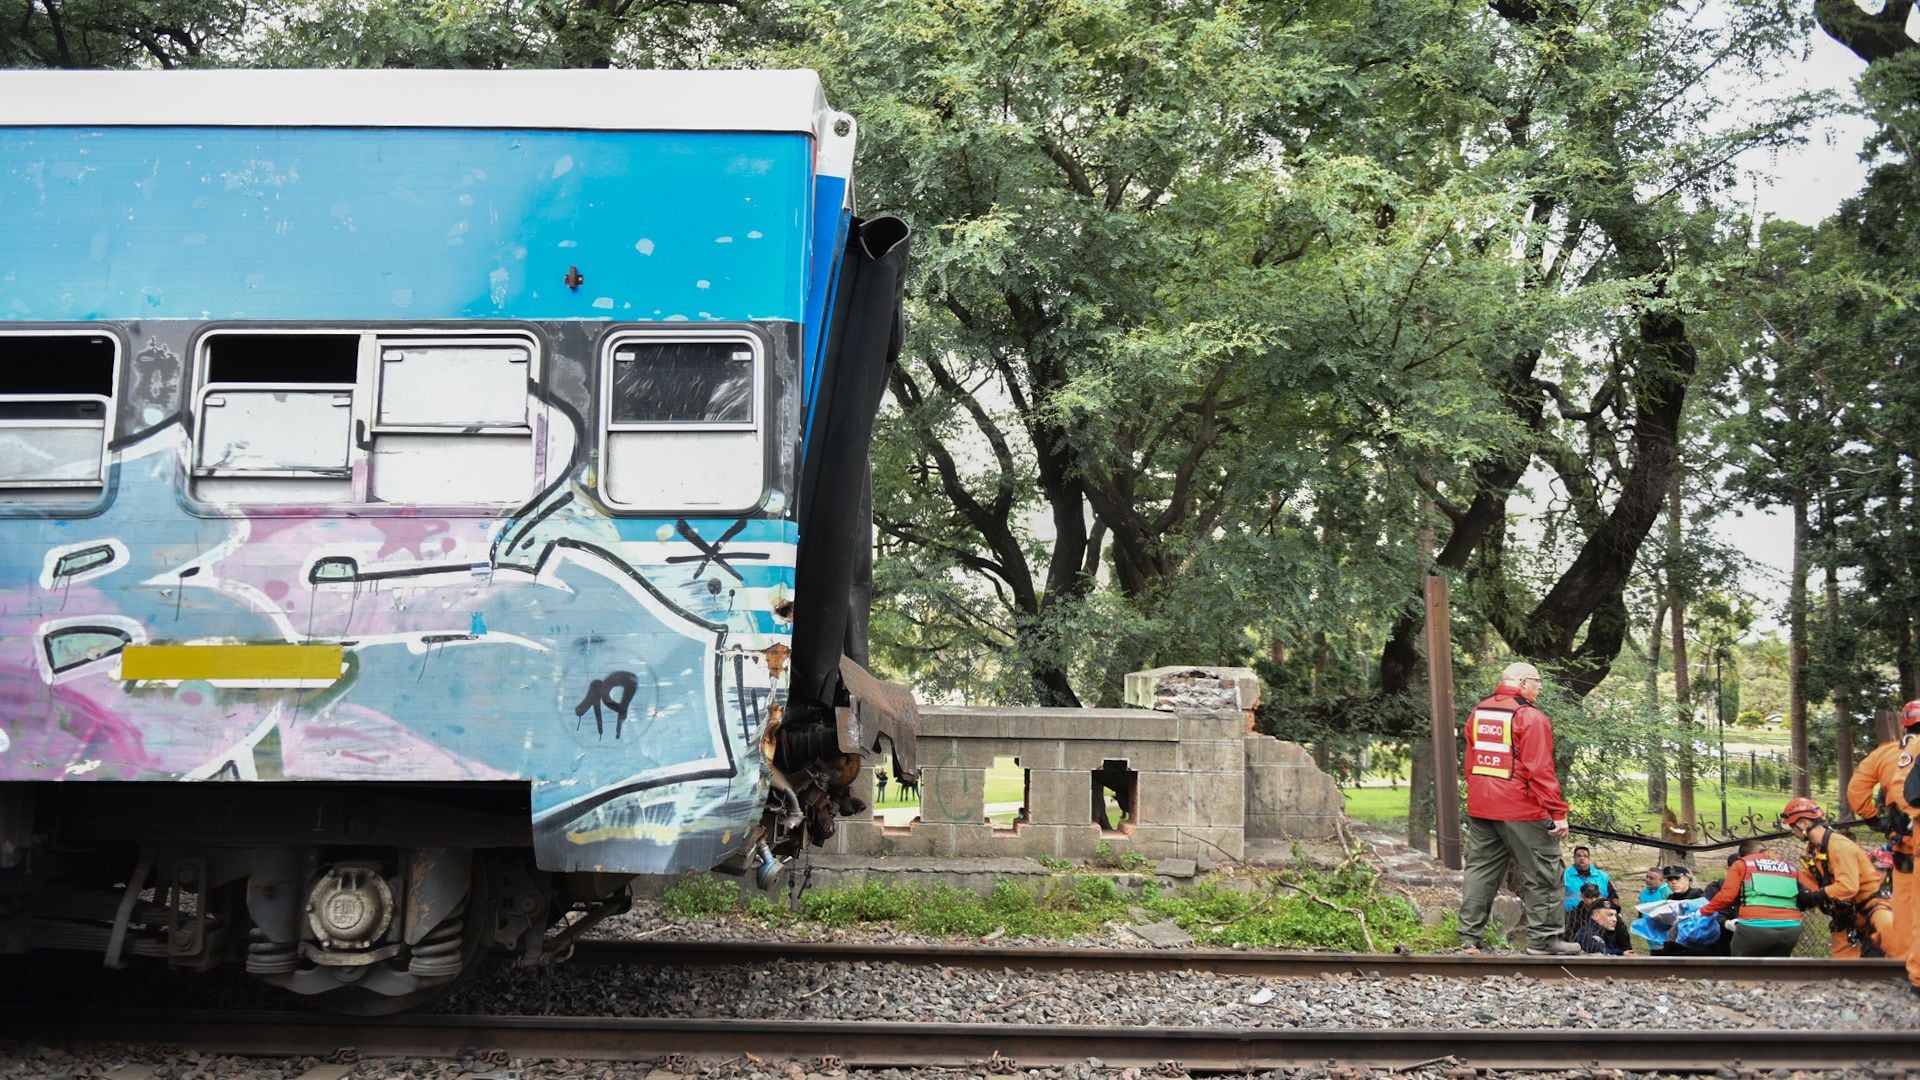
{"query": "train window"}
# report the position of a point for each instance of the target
(276, 417)
(450, 425)
(680, 419)
(683, 382)
(56, 410)
(276, 428)
(332, 417)
(321, 359)
(454, 385)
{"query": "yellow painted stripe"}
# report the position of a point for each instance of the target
(235, 662)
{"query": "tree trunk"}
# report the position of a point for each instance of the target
(1901, 628)
(1683, 701)
(1401, 669)
(1423, 798)
(1656, 747)
(1682, 694)
(1842, 708)
(1903, 652)
(1797, 649)
(1871, 36)
(1420, 796)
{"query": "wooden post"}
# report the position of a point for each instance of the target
(1446, 785)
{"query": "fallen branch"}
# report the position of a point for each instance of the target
(1359, 915)
(1271, 894)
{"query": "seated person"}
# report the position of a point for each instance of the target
(1581, 874)
(1680, 883)
(1590, 898)
(1621, 936)
(1599, 934)
(1654, 887)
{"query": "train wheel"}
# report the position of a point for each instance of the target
(465, 936)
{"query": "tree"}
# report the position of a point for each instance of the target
(119, 33)
(1598, 96)
(1158, 289)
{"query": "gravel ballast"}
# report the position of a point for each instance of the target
(121, 1063)
(845, 990)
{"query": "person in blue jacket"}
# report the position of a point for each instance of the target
(1656, 888)
(1583, 872)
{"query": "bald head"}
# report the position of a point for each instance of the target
(1519, 670)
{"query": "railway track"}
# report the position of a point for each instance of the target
(993, 1047)
(1227, 961)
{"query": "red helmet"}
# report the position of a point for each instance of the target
(1802, 811)
(1882, 859)
(1910, 714)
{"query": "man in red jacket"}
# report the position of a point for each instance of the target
(1514, 813)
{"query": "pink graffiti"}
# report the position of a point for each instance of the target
(355, 743)
(53, 727)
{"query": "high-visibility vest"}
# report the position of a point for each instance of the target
(1490, 749)
(1768, 893)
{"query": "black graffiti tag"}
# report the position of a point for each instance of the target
(603, 692)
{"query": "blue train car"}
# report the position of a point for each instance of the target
(427, 499)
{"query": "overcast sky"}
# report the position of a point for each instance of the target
(1804, 184)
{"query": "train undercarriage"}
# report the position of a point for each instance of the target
(370, 898)
(344, 893)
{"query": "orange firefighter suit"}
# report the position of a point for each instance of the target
(1848, 884)
(1886, 769)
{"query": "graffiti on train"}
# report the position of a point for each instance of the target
(606, 660)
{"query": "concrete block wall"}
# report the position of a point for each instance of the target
(1191, 768)
(1287, 795)
(1204, 783)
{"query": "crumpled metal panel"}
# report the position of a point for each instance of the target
(880, 709)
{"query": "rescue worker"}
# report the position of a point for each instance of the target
(1886, 769)
(1766, 888)
(1515, 814)
(1841, 880)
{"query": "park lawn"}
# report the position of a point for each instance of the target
(1377, 803)
(1748, 808)
(1390, 804)
(1758, 736)
(1006, 783)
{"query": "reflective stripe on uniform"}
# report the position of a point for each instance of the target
(1490, 753)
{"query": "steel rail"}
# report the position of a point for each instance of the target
(997, 1047)
(608, 952)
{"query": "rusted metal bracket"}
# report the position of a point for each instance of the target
(880, 709)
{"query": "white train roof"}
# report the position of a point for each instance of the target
(591, 100)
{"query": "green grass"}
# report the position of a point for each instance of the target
(1269, 914)
(1006, 783)
(1758, 736)
(1387, 804)
(1377, 804)
(1762, 804)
